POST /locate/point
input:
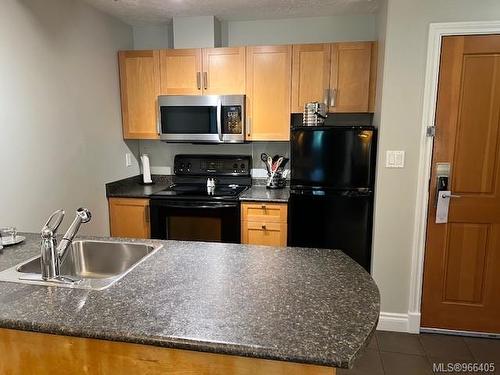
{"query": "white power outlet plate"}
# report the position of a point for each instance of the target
(128, 159)
(395, 159)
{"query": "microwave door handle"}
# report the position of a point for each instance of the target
(219, 119)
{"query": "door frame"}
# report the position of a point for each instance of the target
(436, 32)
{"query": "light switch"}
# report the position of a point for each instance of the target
(128, 159)
(395, 159)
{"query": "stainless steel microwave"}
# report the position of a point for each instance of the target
(202, 119)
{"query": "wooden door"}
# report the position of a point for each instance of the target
(461, 289)
(129, 217)
(268, 93)
(181, 71)
(350, 77)
(224, 71)
(139, 86)
(310, 75)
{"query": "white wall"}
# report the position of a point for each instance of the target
(302, 30)
(60, 122)
(153, 36)
(400, 129)
(280, 31)
(162, 154)
(196, 32)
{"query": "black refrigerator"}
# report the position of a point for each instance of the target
(332, 181)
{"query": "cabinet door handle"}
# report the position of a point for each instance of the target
(146, 214)
(249, 126)
(263, 207)
(333, 98)
(264, 226)
(205, 80)
(326, 98)
(198, 80)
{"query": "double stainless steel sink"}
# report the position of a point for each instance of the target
(86, 265)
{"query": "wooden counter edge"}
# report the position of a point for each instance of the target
(23, 352)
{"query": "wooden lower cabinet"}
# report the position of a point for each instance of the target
(129, 217)
(26, 353)
(264, 223)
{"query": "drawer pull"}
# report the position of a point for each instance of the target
(264, 226)
(263, 207)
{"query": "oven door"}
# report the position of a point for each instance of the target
(195, 220)
(202, 119)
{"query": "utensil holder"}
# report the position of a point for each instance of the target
(275, 180)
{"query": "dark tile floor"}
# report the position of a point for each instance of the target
(393, 353)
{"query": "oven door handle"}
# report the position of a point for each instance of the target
(219, 119)
(201, 205)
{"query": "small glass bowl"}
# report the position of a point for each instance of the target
(8, 235)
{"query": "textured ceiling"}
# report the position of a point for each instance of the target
(143, 12)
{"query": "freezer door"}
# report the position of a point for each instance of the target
(333, 157)
(334, 221)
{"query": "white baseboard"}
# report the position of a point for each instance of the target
(397, 322)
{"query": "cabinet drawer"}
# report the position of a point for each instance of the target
(260, 233)
(264, 212)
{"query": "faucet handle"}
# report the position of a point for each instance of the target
(84, 214)
(53, 222)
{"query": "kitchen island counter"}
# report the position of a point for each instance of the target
(312, 306)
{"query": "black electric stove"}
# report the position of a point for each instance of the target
(190, 210)
(197, 191)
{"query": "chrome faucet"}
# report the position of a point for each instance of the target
(51, 254)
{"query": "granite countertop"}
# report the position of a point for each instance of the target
(260, 193)
(132, 188)
(302, 305)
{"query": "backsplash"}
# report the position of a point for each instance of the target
(162, 154)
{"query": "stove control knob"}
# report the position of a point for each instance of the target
(243, 167)
(235, 166)
(189, 166)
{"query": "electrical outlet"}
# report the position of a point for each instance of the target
(128, 159)
(395, 159)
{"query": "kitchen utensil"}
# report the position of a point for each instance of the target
(314, 114)
(275, 158)
(278, 163)
(264, 158)
(270, 164)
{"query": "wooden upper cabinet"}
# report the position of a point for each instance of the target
(350, 77)
(223, 71)
(268, 89)
(139, 85)
(181, 72)
(310, 75)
